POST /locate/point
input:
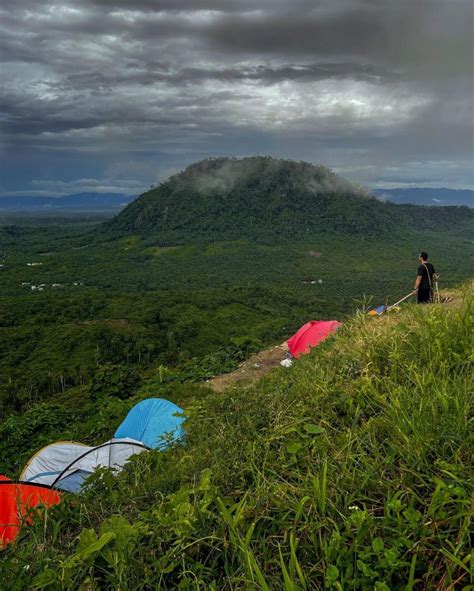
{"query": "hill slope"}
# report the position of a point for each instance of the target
(260, 197)
(350, 470)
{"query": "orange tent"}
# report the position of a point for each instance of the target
(16, 501)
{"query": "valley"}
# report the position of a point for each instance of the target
(97, 314)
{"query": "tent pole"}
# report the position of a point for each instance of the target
(400, 301)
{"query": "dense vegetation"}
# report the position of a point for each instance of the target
(126, 301)
(95, 316)
(351, 470)
(78, 296)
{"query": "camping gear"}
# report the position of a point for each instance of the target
(310, 335)
(17, 500)
(430, 283)
(377, 311)
(433, 283)
(400, 301)
(152, 423)
(48, 462)
(66, 464)
(381, 309)
(157, 423)
(436, 296)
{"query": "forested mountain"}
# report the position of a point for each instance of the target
(261, 197)
(225, 259)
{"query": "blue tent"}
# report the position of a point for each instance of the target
(155, 422)
(379, 310)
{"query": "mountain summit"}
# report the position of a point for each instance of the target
(258, 197)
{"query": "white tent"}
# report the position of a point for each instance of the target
(66, 464)
(48, 462)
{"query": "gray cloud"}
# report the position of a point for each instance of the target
(55, 188)
(362, 86)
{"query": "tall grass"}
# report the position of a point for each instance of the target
(352, 470)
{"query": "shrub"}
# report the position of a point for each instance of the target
(121, 381)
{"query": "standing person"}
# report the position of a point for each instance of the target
(425, 279)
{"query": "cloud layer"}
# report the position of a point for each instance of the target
(114, 90)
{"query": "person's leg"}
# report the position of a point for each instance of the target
(423, 296)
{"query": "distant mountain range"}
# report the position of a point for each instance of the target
(117, 201)
(428, 196)
(78, 202)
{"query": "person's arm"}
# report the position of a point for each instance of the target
(418, 278)
(417, 282)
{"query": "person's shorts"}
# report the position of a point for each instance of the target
(424, 296)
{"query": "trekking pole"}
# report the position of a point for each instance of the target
(437, 296)
(400, 301)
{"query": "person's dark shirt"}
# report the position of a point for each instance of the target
(423, 272)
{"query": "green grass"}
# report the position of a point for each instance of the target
(351, 470)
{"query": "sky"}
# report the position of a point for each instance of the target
(115, 95)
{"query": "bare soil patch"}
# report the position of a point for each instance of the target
(251, 370)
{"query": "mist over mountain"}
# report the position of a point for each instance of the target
(263, 197)
(427, 196)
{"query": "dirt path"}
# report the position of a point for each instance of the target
(251, 370)
(262, 363)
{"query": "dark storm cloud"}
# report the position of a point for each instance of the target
(360, 85)
(391, 32)
(164, 75)
(175, 5)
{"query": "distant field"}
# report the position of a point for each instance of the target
(55, 217)
(345, 268)
(64, 284)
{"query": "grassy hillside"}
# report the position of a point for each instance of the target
(351, 470)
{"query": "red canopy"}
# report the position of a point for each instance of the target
(310, 335)
(16, 501)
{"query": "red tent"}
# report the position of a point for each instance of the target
(310, 335)
(16, 501)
